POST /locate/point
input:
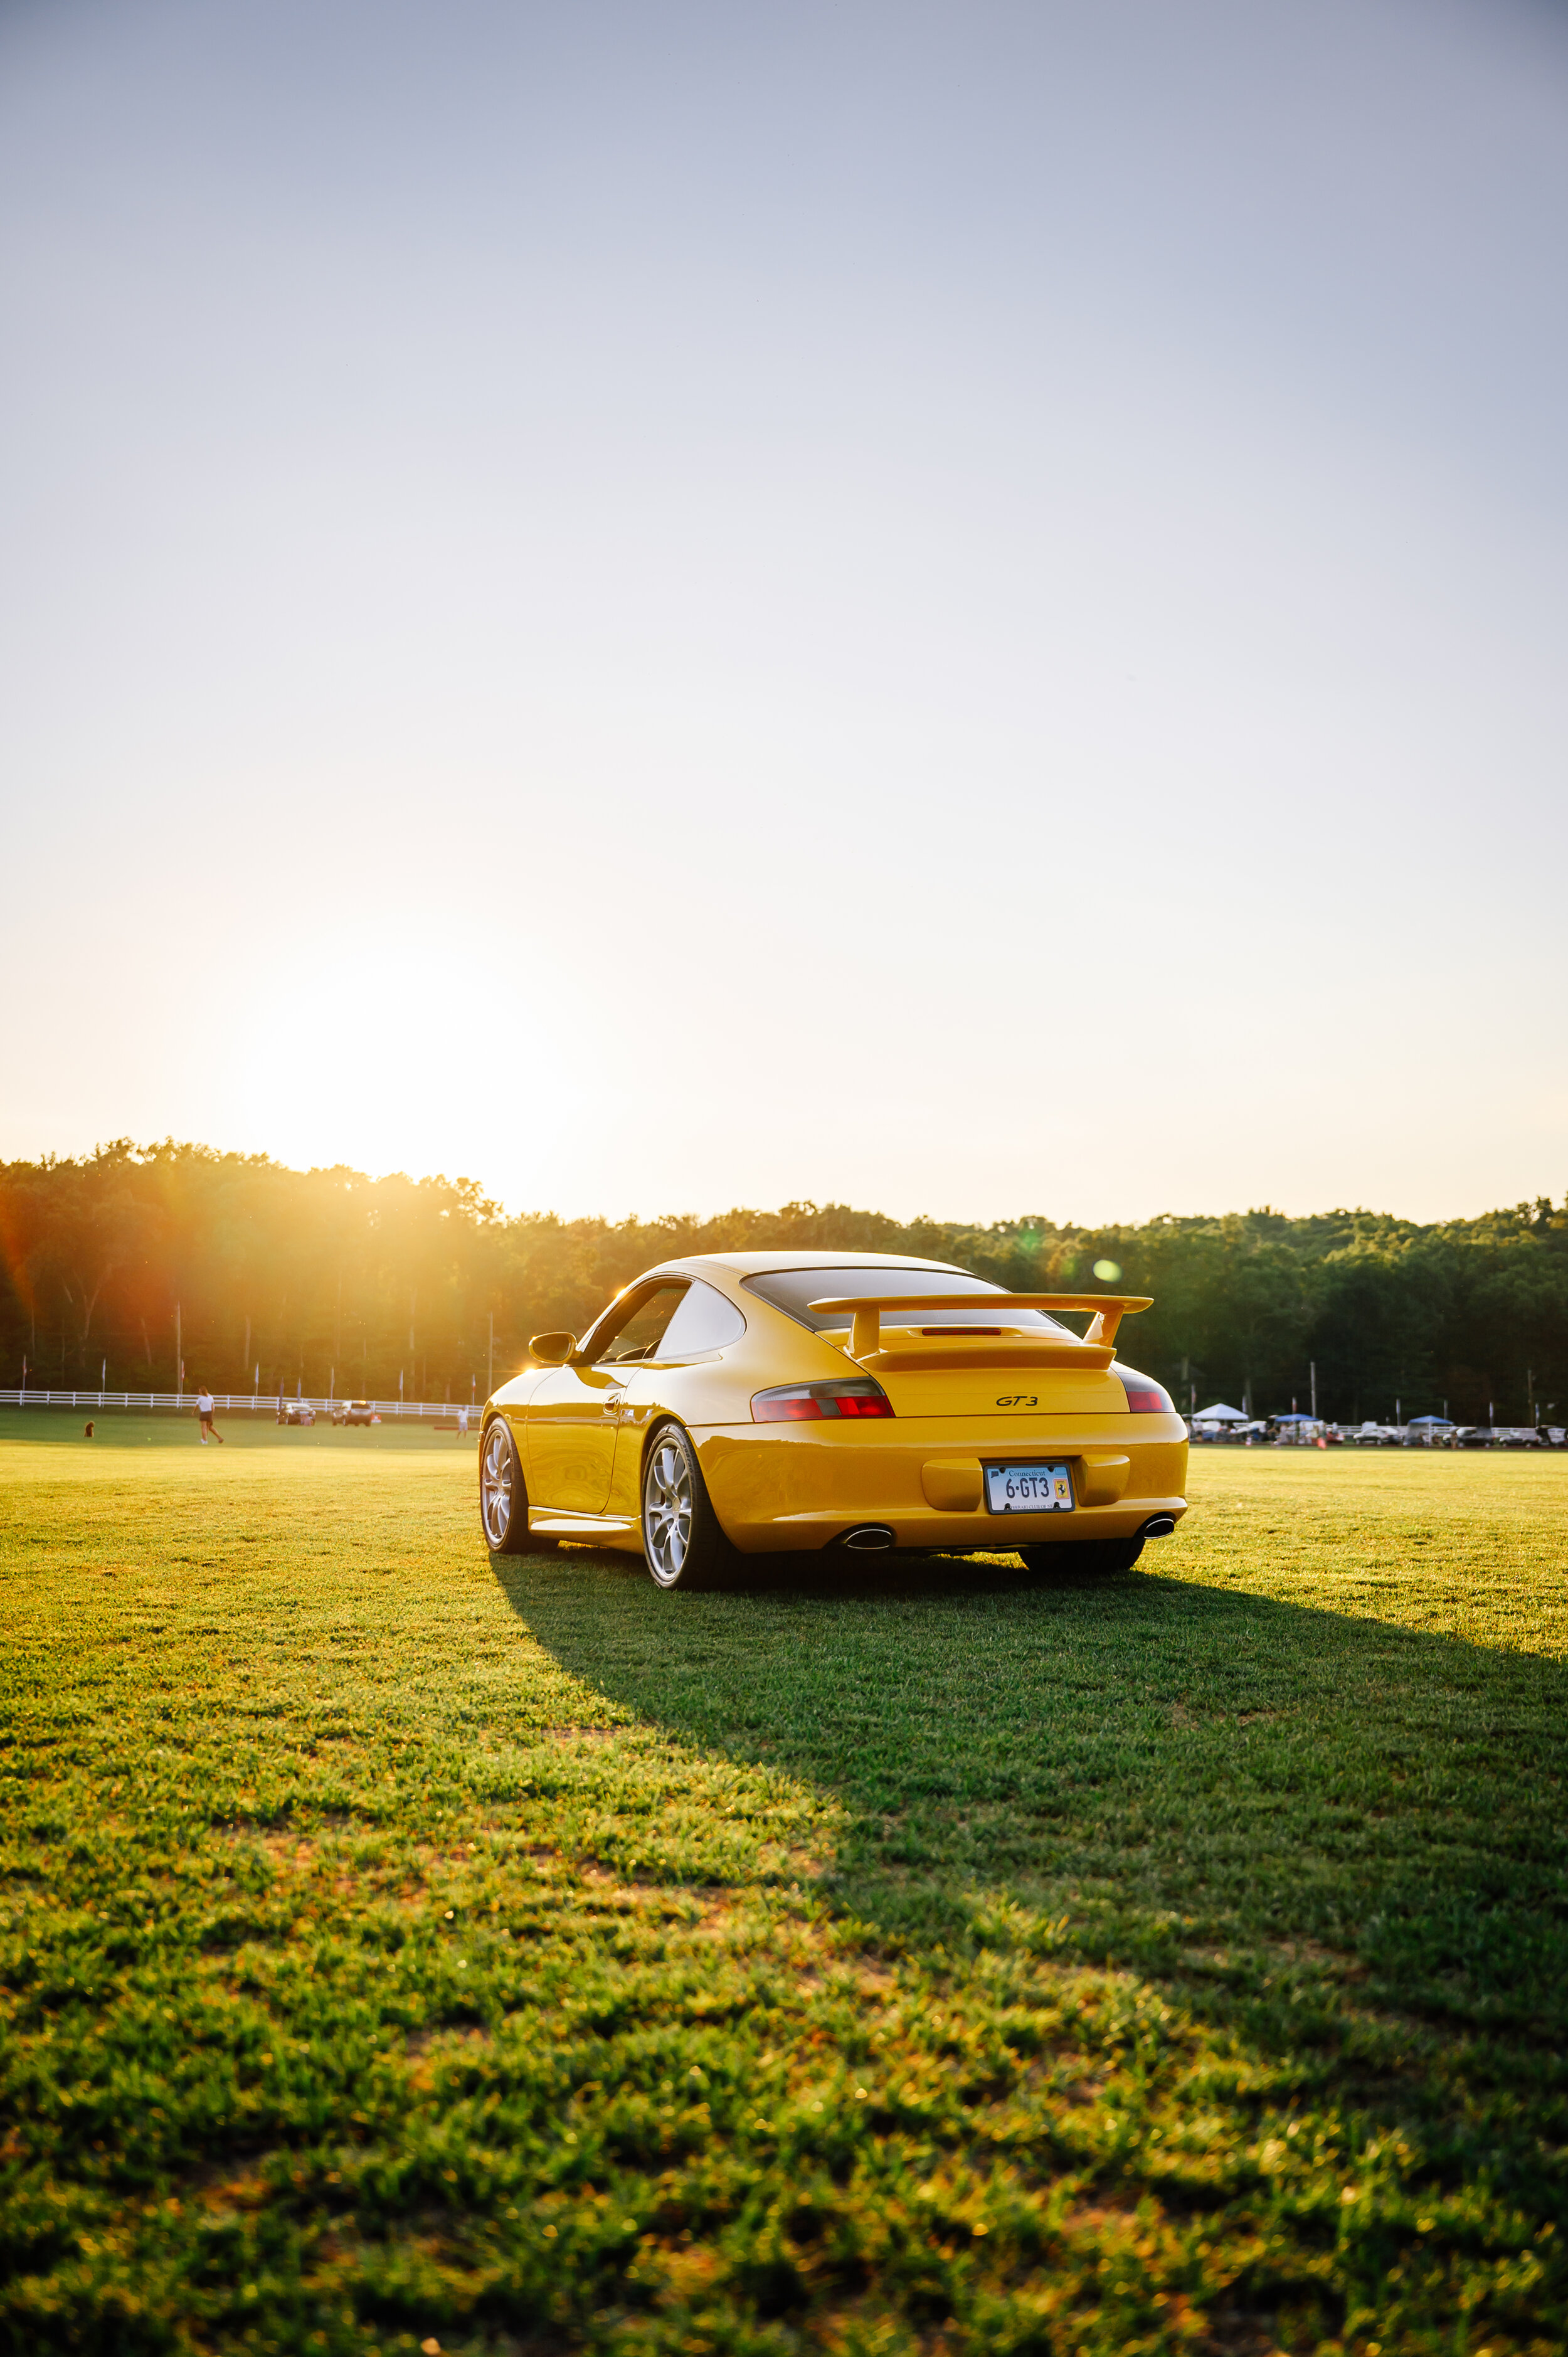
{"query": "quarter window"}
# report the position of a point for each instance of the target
(704, 1322)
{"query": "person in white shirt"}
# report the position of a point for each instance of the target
(205, 1405)
(462, 1422)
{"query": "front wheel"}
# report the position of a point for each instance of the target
(682, 1541)
(503, 1500)
(1082, 1559)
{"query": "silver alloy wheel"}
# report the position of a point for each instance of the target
(498, 1476)
(667, 1509)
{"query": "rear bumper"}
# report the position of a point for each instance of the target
(778, 1488)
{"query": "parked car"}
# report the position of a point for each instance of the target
(753, 1403)
(355, 1412)
(295, 1410)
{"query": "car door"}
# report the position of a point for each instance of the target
(574, 1416)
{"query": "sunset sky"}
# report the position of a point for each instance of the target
(960, 607)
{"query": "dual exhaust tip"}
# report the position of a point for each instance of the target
(876, 1538)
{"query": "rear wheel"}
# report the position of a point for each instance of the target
(503, 1500)
(682, 1541)
(1082, 1559)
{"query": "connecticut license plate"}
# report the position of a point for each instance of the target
(1028, 1489)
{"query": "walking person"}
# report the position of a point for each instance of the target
(205, 1405)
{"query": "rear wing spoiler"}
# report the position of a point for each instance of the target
(865, 1309)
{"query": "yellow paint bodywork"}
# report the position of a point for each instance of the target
(582, 1432)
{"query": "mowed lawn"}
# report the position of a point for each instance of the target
(401, 1950)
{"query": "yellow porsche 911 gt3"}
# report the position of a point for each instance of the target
(746, 1403)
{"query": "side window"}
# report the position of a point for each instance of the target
(641, 1331)
(704, 1322)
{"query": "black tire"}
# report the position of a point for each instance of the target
(682, 1544)
(1082, 1559)
(503, 1500)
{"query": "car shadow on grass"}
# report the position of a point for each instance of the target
(1136, 1769)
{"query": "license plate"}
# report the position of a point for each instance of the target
(1029, 1490)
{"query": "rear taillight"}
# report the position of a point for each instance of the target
(806, 1402)
(1145, 1398)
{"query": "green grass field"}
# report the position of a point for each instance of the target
(399, 1950)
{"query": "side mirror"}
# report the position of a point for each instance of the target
(553, 1349)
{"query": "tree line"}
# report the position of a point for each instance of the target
(266, 1278)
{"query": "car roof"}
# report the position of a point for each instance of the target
(758, 1264)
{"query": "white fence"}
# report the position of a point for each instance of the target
(231, 1403)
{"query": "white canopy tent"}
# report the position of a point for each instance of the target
(1221, 1413)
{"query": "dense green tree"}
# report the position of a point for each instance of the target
(282, 1278)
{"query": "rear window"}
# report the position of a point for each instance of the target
(793, 1289)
